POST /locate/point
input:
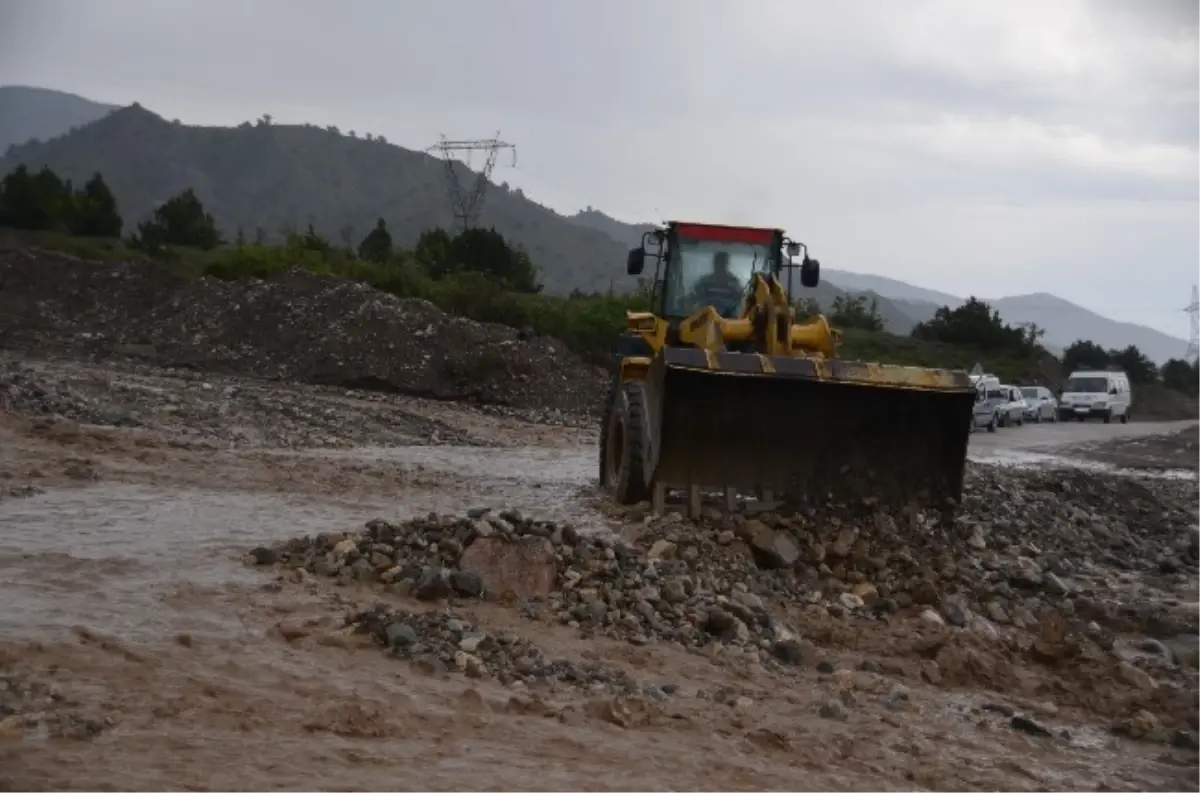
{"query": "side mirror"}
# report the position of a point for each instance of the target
(810, 272)
(636, 261)
(1113, 391)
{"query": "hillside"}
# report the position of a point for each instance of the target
(273, 177)
(894, 289)
(1065, 322)
(40, 114)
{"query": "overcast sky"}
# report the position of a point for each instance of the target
(990, 148)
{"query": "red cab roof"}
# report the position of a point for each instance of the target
(707, 231)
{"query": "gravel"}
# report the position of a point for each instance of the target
(442, 641)
(204, 410)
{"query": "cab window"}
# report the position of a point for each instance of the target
(695, 259)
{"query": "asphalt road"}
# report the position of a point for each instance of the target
(1048, 438)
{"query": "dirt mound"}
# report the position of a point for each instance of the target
(1159, 403)
(297, 326)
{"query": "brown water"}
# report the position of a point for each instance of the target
(132, 600)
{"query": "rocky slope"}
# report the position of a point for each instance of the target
(298, 327)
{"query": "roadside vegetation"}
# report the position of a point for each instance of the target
(480, 275)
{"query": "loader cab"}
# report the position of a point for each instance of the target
(700, 264)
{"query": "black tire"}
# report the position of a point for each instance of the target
(610, 400)
(625, 444)
(1125, 417)
(991, 427)
(1080, 419)
(1108, 417)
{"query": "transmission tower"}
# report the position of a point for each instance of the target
(1193, 310)
(466, 201)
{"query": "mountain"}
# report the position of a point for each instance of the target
(628, 234)
(276, 177)
(893, 289)
(1066, 322)
(41, 114)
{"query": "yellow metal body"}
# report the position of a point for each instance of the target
(761, 401)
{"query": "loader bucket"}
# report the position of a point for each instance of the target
(808, 429)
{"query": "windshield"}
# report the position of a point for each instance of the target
(701, 276)
(1086, 385)
(996, 393)
(1029, 393)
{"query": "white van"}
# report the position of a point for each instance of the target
(1103, 395)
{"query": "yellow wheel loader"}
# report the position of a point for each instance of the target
(720, 388)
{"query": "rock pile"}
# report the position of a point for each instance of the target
(30, 707)
(296, 326)
(440, 641)
(1025, 541)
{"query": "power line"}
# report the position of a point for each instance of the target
(1193, 311)
(466, 201)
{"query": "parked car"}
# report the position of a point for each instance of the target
(1105, 395)
(1010, 406)
(998, 397)
(983, 414)
(1040, 404)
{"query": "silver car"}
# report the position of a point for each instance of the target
(983, 414)
(1040, 404)
(1010, 405)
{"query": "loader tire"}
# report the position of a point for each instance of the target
(610, 400)
(624, 443)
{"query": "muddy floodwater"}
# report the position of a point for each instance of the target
(142, 651)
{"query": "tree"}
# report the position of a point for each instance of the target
(485, 251)
(1133, 362)
(310, 240)
(377, 245)
(1181, 376)
(34, 202)
(854, 311)
(1084, 355)
(975, 324)
(433, 252)
(807, 308)
(182, 221)
(482, 251)
(94, 211)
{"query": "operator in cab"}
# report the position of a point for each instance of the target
(719, 288)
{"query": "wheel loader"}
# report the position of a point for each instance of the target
(721, 388)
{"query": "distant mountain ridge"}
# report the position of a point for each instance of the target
(40, 114)
(273, 177)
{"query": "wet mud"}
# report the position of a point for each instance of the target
(139, 649)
